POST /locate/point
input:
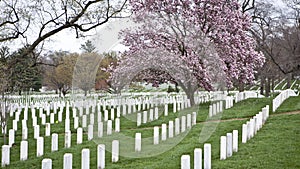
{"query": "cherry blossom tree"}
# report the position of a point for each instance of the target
(196, 42)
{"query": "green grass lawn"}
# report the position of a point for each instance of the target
(276, 145)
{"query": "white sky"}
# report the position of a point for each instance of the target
(105, 38)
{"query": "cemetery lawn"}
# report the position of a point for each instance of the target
(276, 145)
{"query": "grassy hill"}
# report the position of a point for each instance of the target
(276, 145)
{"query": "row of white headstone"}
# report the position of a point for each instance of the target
(228, 102)
(279, 99)
(229, 143)
(215, 108)
(240, 96)
(168, 131)
(62, 105)
(85, 157)
(198, 160)
(255, 124)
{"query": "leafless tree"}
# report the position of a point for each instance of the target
(37, 20)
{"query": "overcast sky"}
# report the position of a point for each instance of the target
(105, 37)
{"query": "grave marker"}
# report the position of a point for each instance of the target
(79, 135)
(115, 151)
(46, 163)
(185, 162)
(138, 142)
(207, 156)
(198, 158)
(54, 142)
(101, 156)
(85, 158)
(24, 150)
(5, 155)
(68, 161)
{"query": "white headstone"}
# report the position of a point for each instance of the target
(46, 163)
(138, 142)
(109, 127)
(177, 126)
(99, 116)
(76, 122)
(47, 129)
(101, 156)
(210, 113)
(248, 130)
(79, 135)
(129, 109)
(115, 151)
(235, 140)
(117, 125)
(124, 109)
(60, 116)
(223, 148)
(183, 123)
(166, 110)
(36, 131)
(164, 132)
(68, 161)
(207, 156)
(118, 111)
(151, 115)
(156, 135)
(138, 119)
(54, 142)
(194, 118)
(34, 121)
(214, 109)
(185, 162)
(5, 155)
(112, 113)
(174, 107)
(43, 121)
(100, 129)
(68, 139)
(39, 146)
(244, 133)
(11, 137)
(85, 158)
(90, 132)
(92, 119)
(105, 115)
(84, 121)
(188, 121)
(229, 145)
(198, 158)
(24, 150)
(251, 130)
(145, 116)
(155, 113)
(24, 123)
(171, 129)
(15, 125)
(51, 118)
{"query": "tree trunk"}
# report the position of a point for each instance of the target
(241, 87)
(262, 84)
(190, 95)
(267, 87)
(289, 78)
(85, 92)
(273, 84)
